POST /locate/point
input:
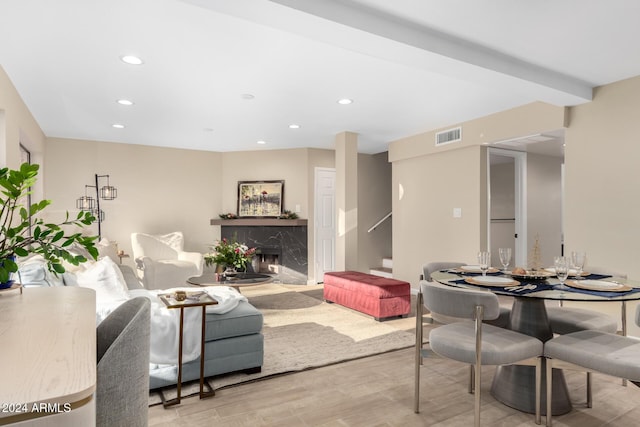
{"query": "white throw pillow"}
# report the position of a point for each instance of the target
(32, 271)
(106, 279)
(107, 248)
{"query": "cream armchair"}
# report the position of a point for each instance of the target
(161, 261)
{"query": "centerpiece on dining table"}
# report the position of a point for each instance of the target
(230, 256)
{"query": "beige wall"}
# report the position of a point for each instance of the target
(163, 189)
(346, 253)
(425, 191)
(529, 119)
(17, 126)
(602, 181)
(544, 205)
(159, 189)
(603, 178)
(437, 179)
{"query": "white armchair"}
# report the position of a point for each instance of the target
(161, 261)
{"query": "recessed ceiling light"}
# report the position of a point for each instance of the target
(261, 142)
(124, 102)
(345, 101)
(118, 126)
(294, 126)
(132, 60)
(247, 96)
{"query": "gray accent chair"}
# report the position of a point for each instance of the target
(608, 353)
(470, 341)
(123, 340)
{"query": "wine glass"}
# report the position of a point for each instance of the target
(562, 265)
(484, 259)
(577, 262)
(505, 257)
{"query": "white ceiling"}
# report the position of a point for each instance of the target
(409, 65)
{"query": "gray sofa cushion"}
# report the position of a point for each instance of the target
(221, 357)
(245, 319)
(130, 277)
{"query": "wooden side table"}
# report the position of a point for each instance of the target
(121, 255)
(194, 299)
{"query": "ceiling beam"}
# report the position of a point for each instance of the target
(365, 30)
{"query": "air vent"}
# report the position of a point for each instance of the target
(448, 136)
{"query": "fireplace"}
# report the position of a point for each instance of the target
(282, 246)
(267, 261)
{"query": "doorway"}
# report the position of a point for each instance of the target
(531, 179)
(507, 176)
(325, 222)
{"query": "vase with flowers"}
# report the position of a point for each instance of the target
(230, 255)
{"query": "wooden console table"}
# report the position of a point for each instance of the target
(48, 357)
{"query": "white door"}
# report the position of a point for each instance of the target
(325, 222)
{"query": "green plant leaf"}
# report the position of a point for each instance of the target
(58, 268)
(4, 275)
(47, 239)
(21, 252)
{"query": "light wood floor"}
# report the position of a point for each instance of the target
(378, 391)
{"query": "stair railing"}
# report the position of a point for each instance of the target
(383, 219)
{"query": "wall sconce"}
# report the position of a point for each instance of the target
(88, 203)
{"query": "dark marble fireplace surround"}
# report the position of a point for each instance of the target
(285, 238)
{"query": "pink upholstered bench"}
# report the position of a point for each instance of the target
(377, 296)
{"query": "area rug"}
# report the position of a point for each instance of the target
(301, 331)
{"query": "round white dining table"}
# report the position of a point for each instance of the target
(514, 385)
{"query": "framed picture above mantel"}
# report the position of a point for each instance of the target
(260, 199)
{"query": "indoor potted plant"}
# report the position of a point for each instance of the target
(230, 255)
(23, 233)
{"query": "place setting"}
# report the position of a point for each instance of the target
(564, 267)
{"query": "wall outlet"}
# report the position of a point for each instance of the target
(457, 212)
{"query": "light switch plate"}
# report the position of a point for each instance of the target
(457, 212)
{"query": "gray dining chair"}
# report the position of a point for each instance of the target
(566, 320)
(123, 343)
(502, 320)
(428, 269)
(594, 351)
(470, 341)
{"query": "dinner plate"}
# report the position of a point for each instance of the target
(476, 269)
(598, 285)
(491, 281)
